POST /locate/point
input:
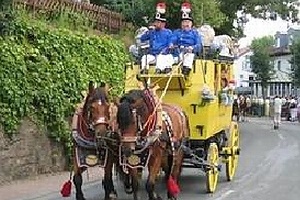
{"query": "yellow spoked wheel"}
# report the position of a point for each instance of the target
(234, 151)
(212, 174)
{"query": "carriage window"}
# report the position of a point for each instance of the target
(224, 76)
(216, 78)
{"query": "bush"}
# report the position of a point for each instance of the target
(44, 69)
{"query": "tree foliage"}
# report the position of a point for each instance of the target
(204, 11)
(295, 62)
(44, 69)
(261, 61)
(264, 9)
(220, 14)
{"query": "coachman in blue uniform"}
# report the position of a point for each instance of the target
(159, 40)
(188, 41)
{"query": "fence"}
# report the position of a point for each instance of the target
(103, 18)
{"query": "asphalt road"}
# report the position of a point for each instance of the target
(269, 169)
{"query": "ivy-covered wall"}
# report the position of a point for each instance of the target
(45, 67)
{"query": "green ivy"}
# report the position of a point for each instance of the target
(43, 71)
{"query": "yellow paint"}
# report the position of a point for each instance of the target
(213, 116)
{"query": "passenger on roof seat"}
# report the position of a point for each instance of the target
(160, 40)
(188, 41)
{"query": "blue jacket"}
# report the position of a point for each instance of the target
(159, 40)
(187, 38)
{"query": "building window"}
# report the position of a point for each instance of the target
(278, 42)
(272, 89)
(241, 76)
(279, 65)
(248, 62)
(244, 65)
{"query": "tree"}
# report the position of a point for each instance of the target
(4, 4)
(264, 9)
(220, 14)
(207, 11)
(295, 63)
(261, 61)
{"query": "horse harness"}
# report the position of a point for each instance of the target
(90, 149)
(147, 137)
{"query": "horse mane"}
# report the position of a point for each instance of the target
(124, 115)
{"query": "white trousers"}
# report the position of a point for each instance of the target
(187, 59)
(162, 61)
(293, 112)
(277, 118)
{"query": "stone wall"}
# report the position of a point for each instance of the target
(29, 153)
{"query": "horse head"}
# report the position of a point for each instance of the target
(97, 109)
(134, 111)
(136, 117)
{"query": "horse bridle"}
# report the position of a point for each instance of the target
(138, 119)
(100, 121)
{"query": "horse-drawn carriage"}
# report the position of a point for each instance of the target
(163, 121)
(196, 128)
(213, 136)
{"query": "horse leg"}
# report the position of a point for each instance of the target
(77, 180)
(176, 169)
(154, 166)
(135, 183)
(110, 192)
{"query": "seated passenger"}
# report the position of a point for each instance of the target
(159, 40)
(189, 42)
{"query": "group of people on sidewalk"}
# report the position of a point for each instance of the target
(167, 47)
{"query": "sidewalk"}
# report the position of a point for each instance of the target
(43, 185)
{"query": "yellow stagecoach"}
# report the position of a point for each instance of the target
(206, 97)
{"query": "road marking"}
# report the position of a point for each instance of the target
(225, 194)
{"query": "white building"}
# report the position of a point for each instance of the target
(243, 72)
(281, 83)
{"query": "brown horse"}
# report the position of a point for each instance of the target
(143, 145)
(95, 139)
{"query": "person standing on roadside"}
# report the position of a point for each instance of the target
(293, 109)
(277, 111)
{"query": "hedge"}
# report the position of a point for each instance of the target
(44, 69)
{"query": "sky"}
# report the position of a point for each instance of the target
(256, 28)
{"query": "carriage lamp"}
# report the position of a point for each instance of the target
(207, 93)
(224, 98)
